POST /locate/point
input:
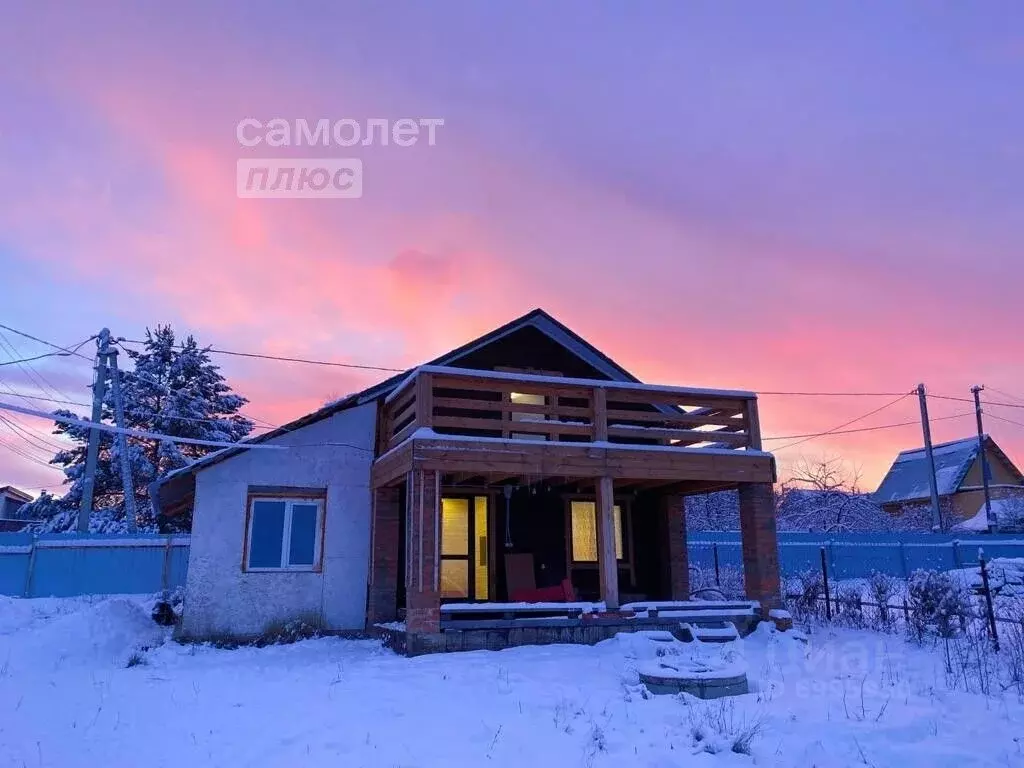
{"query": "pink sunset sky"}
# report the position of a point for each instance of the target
(809, 197)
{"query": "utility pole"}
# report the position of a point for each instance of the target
(122, 442)
(99, 389)
(106, 363)
(927, 430)
(993, 524)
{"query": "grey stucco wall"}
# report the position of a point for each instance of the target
(221, 600)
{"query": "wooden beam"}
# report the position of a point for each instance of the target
(607, 563)
(600, 416)
(753, 426)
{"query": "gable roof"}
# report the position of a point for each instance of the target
(16, 493)
(536, 318)
(907, 478)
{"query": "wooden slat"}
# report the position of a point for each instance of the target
(403, 433)
(654, 397)
(398, 407)
(541, 427)
(681, 419)
(484, 384)
(466, 404)
(683, 435)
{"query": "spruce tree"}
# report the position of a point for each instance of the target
(173, 389)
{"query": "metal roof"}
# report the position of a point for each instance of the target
(907, 479)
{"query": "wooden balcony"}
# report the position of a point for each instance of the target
(464, 420)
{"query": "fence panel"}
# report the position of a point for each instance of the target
(857, 555)
(65, 565)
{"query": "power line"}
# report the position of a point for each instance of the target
(36, 441)
(831, 394)
(30, 359)
(27, 396)
(1007, 394)
(1008, 421)
(44, 383)
(846, 423)
(24, 455)
(983, 402)
(74, 351)
(863, 429)
(279, 358)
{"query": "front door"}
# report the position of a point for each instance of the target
(464, 571)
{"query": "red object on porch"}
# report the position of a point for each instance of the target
(561, 593)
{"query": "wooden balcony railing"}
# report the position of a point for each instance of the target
(474, 403)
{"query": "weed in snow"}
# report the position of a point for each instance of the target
(716, 726)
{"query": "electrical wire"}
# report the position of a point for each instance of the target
(846, 423)
(866, 429)
(74, 351)
(260, 356)
(1003, 418)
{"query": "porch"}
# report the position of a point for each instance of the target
(492, 487)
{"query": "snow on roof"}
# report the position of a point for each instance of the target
(907, 479)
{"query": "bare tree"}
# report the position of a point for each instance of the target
(823, 495)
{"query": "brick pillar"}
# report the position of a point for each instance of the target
(607, 564)
(382, 601)
(422, 588)
(760, 545)
(675, 559)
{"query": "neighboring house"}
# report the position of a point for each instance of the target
(958, 475)
(11, 501)
(523, 461)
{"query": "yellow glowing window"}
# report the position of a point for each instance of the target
(584, 531)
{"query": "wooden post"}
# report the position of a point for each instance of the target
(600, 414)
(989, 611)
(672, 532)
(753, 424)
(424, 399)
(607, 563)
(30, 574)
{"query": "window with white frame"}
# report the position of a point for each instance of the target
(284, 533)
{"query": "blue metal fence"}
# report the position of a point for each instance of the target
(856, 555)
(62, 565)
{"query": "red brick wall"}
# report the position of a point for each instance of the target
(422, 589)
(760, 544)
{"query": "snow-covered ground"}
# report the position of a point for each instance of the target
(68, 697)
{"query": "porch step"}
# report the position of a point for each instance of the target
(712, 632)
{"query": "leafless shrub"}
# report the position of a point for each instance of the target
(808, 603)
(849, 605)
(881, 589)
(937, 604)
(1012, 645)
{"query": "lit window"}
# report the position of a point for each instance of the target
(284, 534)
(525, 398)
(584, 531)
